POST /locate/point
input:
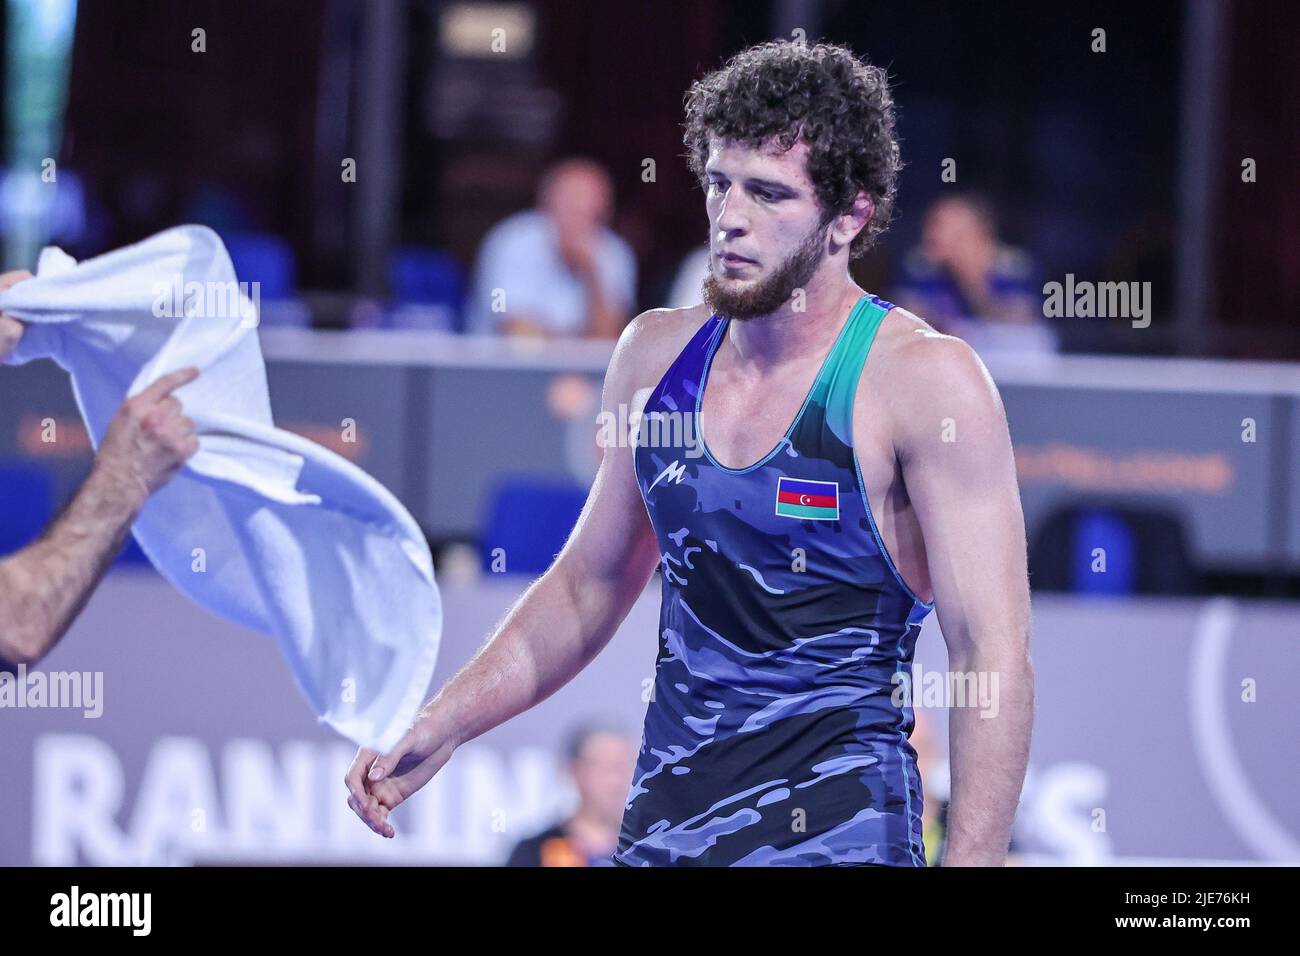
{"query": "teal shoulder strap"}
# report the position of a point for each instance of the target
(838, 383)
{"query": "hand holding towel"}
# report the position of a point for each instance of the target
(261, 526)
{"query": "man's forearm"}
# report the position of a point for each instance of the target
(44, 586)
(553, 631)
(988, 755)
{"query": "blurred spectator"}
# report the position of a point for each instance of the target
(690, 277)
(557, 270)
(600, 763)
(965, 282)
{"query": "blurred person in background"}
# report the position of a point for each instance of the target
(45, 585)
(688, 283)
(600, 759)
(557, 270)
(969, 284)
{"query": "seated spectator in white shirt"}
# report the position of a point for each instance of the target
(689, 280)
(557, 270)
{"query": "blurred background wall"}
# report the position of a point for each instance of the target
(1123, 165)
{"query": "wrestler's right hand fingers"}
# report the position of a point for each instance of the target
(385, 764)
(369, 810)
(359, 798)
(355, 777)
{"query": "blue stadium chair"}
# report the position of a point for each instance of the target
(530, 518)
(269, 261)
(1146, 550)
(420, 276)
(26, 504)
(264, 258)
(1094, 529)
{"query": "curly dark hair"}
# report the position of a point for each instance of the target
(839, 104)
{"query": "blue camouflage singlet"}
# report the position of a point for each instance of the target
(771, 737)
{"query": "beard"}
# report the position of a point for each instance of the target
(772, 292)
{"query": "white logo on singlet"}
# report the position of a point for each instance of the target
(674, 473)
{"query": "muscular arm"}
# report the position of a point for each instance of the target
(554, 630)
(954, 449)
(44, 586)
(568, 614)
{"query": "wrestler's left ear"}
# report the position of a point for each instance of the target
(847, 225)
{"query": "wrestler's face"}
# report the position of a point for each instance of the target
(767, 231)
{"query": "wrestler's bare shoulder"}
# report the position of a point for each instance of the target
(652, 341)
(906, 345)
(656, 330)
(914, 365)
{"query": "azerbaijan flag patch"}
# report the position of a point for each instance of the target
(815, 500)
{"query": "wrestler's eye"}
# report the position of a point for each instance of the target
(717, 186)
(765, 196)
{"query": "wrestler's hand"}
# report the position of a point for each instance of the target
(577, 246)
(376, 784)
(149, 438)
(11, 330)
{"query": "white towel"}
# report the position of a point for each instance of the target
(298, 542)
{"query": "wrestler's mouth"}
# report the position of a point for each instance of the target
(732, 260)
